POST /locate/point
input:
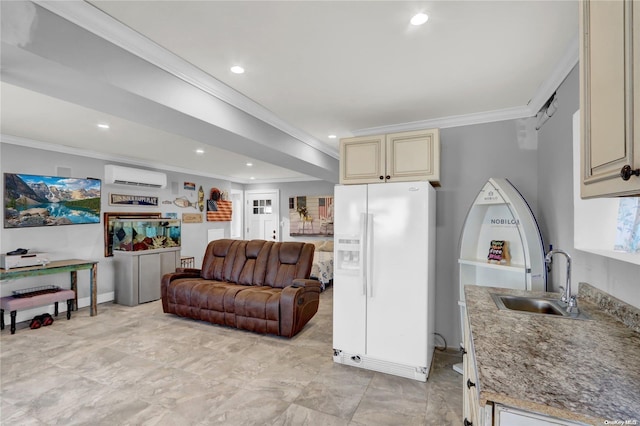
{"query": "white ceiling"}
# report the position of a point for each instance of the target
(314, 68)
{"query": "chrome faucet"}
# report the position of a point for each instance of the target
(572, 303)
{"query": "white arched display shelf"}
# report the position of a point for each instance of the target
(500, 213)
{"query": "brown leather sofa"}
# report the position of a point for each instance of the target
(256, 285)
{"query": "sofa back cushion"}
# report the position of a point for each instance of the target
(218, 260)
(250, 264)
(288, 261)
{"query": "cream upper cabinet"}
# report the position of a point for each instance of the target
(362, 159)
(396, 157)
(610, 97)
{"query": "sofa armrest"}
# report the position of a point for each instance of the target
(298, 304)
(305, 283)
(166, 279)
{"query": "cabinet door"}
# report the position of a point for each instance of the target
(635, 60)
(149, 278)
(169, 261)
(413, 156)
(606, 98)
(471, 403)
(362, 160)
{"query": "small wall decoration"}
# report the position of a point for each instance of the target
(499, 252)
(132, 200)
(36, 200)
(201, 198)
(311, 215)
(628, 225)
(184, 203)
(191, 217)
(218, 210)
(190, 186)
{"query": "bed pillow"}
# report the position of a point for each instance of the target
(327, 246)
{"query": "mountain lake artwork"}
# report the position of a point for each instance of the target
(34, 200)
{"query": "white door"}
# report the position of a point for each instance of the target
(262, 215)
(349, 291)
(397, 291)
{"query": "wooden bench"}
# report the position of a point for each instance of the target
(13, 304)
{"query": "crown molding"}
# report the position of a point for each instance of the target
(46, 146)
(451, 121)
(99, 23)
(540, 97)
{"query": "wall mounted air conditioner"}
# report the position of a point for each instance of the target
(135, 177)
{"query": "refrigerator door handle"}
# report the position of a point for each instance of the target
(363, 252)
(369, 257)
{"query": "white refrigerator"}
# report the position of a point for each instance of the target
(384, 277)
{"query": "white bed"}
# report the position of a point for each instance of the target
(322, 268)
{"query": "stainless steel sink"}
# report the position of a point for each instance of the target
(533, 305)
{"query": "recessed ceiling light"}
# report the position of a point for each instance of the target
(199, 151)
(237, 69)
(249, 164)
(332, 136)
(252, 178)
(419, 19)
(103, 126)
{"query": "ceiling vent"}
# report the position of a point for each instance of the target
(135, 177)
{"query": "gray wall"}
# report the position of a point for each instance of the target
(87, 241)
(555, 192)
(470, 155)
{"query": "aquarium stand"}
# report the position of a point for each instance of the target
(138, 274)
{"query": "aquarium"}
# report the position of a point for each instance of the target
(135, 234)
(37, 200)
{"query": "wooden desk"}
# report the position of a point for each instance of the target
(57, 267)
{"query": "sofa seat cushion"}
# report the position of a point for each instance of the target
(258, 309)
(206, 300)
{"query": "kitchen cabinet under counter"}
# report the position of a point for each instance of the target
(537, 369)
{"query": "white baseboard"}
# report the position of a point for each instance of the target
(28, 314)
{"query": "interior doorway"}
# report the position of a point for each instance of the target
(262, 215)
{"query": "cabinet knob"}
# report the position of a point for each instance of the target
(381, 177)
(470, 384)
(388, 177)
(627, 172)
(467, 422)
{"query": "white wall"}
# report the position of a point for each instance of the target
(87, 241)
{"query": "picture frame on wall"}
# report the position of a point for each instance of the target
(40, 200)
(311, 215)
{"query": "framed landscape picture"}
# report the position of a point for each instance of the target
(37, 200)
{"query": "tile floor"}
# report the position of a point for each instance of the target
(139, 366)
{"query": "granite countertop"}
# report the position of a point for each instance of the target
(581, 370)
